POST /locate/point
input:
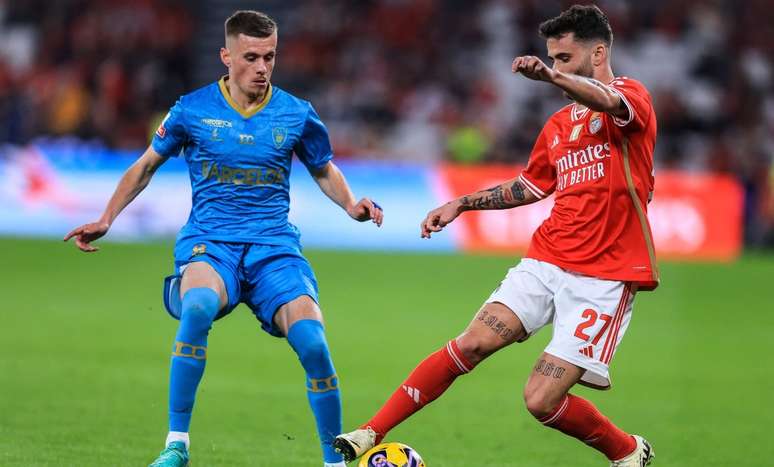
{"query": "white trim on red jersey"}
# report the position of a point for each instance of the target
(618, 121)
(578, 113)
(532, 187)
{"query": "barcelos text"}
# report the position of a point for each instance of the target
(240, 176)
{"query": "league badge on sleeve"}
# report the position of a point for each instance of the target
(161, 132)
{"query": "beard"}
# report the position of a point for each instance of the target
(586, 69)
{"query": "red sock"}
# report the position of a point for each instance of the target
(424, 385)
(579, 418)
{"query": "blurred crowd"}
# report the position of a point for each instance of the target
(420, 80)
(90, 68)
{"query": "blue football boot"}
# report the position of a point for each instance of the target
(175, 455)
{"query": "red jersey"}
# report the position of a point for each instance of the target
(601, 171)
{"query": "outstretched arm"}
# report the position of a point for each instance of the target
(134, 180)
(334, 185)
(586, 91)
(507, 195)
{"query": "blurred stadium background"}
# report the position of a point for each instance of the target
(421, 106)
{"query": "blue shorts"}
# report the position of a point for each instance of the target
(264, 277)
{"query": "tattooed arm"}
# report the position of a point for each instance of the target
(593, 94)
(508, 195)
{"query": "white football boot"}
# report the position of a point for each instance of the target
(641, 456)
(355, 443)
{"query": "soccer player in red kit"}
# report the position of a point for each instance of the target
(585, 262)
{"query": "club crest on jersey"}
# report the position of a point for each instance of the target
(595, 123)
(279, 135)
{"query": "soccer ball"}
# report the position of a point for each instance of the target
(391, 455)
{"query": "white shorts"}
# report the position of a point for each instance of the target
(590, 315)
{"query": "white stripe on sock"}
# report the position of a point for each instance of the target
(178, 436)
(456, 359)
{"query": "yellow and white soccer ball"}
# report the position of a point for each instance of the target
(391, 455)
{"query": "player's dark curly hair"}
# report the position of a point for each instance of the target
(587, 22)
(250, 23)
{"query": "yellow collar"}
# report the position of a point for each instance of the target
(237, 107)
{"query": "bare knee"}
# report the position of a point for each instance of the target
(300, 308)
(541, 402)
(475, 348)
(495, 326)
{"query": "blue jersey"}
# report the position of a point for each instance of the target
(239, 162)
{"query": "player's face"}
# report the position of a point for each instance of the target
(570, 55)
(250, 61)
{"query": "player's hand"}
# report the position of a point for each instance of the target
(366, 209)
(86, 234)
(439, 218)
(533, 68)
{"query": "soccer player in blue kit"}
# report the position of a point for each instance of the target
(238, 136)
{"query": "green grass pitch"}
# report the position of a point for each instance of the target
(86, 343)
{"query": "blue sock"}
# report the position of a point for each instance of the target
(307, 338)
(189, 354)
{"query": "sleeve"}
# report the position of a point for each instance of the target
(540, 175)
(172, 134)
(314, 146)
(636, 99)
